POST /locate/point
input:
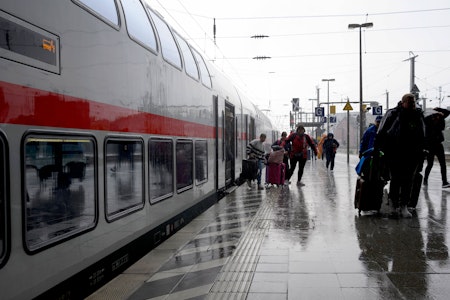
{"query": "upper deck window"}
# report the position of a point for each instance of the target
(189, 61)
(169, 48)
(206, 80)
(106, 9)
(138, 25)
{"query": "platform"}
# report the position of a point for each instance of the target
(299, 242)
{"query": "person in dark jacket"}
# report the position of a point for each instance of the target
(368, 138)
(434, 125)
(299, 152)
(329, 148)
(401, 136)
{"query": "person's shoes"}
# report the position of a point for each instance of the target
(405, 213)
(394, 212)
(446, 185)
(300, 183)
(249, 183)
(425, 181)
(260, 187)
(287, 182)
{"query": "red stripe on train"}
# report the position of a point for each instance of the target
(28, 106)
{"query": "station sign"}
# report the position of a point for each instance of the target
(332, 109)
(319, 111)
(348, 106)
(295, 104)
(377, 110)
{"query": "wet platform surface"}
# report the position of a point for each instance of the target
(300, 242)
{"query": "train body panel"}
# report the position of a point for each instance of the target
(106, 147)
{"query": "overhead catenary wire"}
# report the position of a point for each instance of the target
(324, 15)
(227, 60)
(331, 32)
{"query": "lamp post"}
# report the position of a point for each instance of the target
(328, 102)
(312, 109)
(353, 26)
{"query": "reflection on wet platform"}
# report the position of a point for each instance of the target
(301, 242)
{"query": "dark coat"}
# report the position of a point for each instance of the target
(330, 146)
(434, 127)
(402, 133)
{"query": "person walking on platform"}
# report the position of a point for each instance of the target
(320, 146)
(434, 125)
(255, 150)
(286, 146)
(368, 138)
(329, 148)
(299, 152)
(401, 136)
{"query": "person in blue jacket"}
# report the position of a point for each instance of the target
(368, 138)
(329, 148)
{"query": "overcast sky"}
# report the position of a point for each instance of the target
(309, 41)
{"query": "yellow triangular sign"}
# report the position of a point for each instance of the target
(348, 106)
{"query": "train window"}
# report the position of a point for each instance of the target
(169, 48)
(160, 152)
(204, 73)
(185, 165)
(124, 174)
(201, 161)
(106, 9)
(189, 61)
(59, 188)
(138, 24)
(3, 203)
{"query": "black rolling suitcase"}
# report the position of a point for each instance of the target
(415, 191)
(249, 169)
(368, 195)
(370, 184)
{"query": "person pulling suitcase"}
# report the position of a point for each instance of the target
(255, 150)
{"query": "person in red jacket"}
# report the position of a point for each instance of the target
(299, 152)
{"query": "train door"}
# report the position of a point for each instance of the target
(274, 135)
(216, 147)
(229, 143)
(251, 132)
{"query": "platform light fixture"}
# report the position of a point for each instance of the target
(328, 102)
(361, 113)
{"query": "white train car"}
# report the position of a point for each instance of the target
(114, 133)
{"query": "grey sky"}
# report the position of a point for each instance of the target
(310, 41)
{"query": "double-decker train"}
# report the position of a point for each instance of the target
(114, 133)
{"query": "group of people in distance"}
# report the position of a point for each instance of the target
(296, 147)
(405, 135)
